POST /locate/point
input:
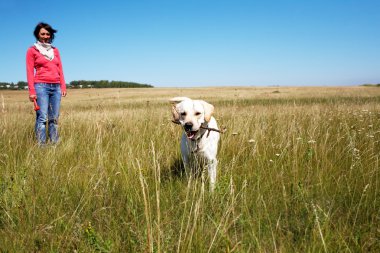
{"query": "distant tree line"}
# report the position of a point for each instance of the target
(13, 86)
(107, 84)
(368, 84)
(81, 84)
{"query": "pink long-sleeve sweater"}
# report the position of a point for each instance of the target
(45, 71)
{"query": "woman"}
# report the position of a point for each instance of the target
(46, 82)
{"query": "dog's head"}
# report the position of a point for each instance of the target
(191, 114)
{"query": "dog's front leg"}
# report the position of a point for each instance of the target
(212, 173)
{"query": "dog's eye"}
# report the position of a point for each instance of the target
(183, 113)
(197, 113)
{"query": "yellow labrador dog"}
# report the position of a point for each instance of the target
(198, 144)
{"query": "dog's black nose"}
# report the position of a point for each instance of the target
(188, 126)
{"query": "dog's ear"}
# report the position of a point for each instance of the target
(175, 113)
(209, 110)
(174, 101)
(177, 100)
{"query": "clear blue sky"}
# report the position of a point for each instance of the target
(188, 43)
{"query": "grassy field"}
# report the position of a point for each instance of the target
(298, 172)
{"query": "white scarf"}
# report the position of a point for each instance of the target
(45, 49)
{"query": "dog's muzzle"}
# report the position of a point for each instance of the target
(188, 126)
(188, 129)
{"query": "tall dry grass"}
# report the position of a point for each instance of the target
(298, 172)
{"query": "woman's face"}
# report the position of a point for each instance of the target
(44, 36)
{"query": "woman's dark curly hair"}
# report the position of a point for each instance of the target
(47, 27)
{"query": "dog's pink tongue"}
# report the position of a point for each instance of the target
(190, 134)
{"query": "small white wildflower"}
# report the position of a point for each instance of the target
(271, 160)
(234, 133)
(251, 140)
(277, 154)
(311, 142)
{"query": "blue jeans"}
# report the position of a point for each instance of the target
(49, 101)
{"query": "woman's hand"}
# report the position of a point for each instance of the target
(32, 97)
(64, 93)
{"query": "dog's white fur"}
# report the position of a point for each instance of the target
(197, 145)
